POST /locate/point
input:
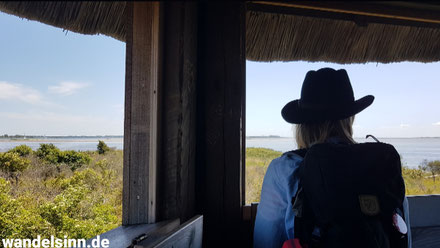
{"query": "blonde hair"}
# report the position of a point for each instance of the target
(309, 134)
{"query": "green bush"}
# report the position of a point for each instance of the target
(79, 204)
(433, 167)
(23, 150)
(11, 162)
(49, 153)
(77, 212)
(102, 147)
(73, 159)
(411, 173)
(53, 155)
(16, 221)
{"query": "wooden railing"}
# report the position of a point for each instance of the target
(168, 233)
(424, 212)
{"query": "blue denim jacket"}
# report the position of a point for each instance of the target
(274, 220)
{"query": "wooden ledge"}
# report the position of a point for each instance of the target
(161, 234)
(123, 236)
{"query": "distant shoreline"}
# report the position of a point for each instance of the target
(83, 138)
(61, 139)
(281, 137)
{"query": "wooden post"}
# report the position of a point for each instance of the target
(220, 127)
(177, 171)
(159, 163)
(141, 112)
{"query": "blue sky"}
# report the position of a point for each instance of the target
(58, 83)
(54, 82)
(406, 97)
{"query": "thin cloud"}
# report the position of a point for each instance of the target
(67, 88)
(52, 123)
(13, 91)
(404, 125)
(436, 124)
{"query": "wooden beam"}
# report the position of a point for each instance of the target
(141, 113)
(220, 126)
(177, 171)
(359, 12)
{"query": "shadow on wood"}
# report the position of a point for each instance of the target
(189, 234)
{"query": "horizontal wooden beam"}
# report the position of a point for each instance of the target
(362, 13)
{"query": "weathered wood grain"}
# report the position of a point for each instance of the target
(220, 88)
(187, 235)
(127, 114)
(141, 118)
(177, 170)
(123, 236)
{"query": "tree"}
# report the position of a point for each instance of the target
(23, 150)
(49, 153)
(13, 164)
(102, 147)
(432, 167)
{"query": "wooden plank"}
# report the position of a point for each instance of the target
(142, 121)
(123, 236)
(423, 210)
(171, 111)
(361, 13)
(425, 237)
(189, 234)
(153, 237)
(254, 207)
(221, 68)
(177, 170)
(247, 212)
(127, 114)
(188, 97)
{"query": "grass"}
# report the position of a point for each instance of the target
(417, 182)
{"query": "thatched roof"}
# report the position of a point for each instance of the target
(278, 37)
(270, 36)
(81, 17)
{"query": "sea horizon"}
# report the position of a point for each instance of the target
(18, 136)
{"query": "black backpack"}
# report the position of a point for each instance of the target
(348, 196)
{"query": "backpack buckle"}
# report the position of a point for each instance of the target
(316, 236)
(399, 224)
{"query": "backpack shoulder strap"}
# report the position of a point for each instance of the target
(300, 152)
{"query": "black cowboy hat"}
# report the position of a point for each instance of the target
(326, 94)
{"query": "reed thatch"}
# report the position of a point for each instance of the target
(279, 37)
(269, 36)
(81, 17)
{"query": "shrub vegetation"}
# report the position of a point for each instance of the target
(79, 194)
(53, 155)
(12, 162)
(102, 147)
(22, 150)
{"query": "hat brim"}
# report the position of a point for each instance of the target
(293, 113)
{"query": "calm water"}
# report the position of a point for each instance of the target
(413, 151)
(83, 144)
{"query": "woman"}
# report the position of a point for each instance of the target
(324, 113)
